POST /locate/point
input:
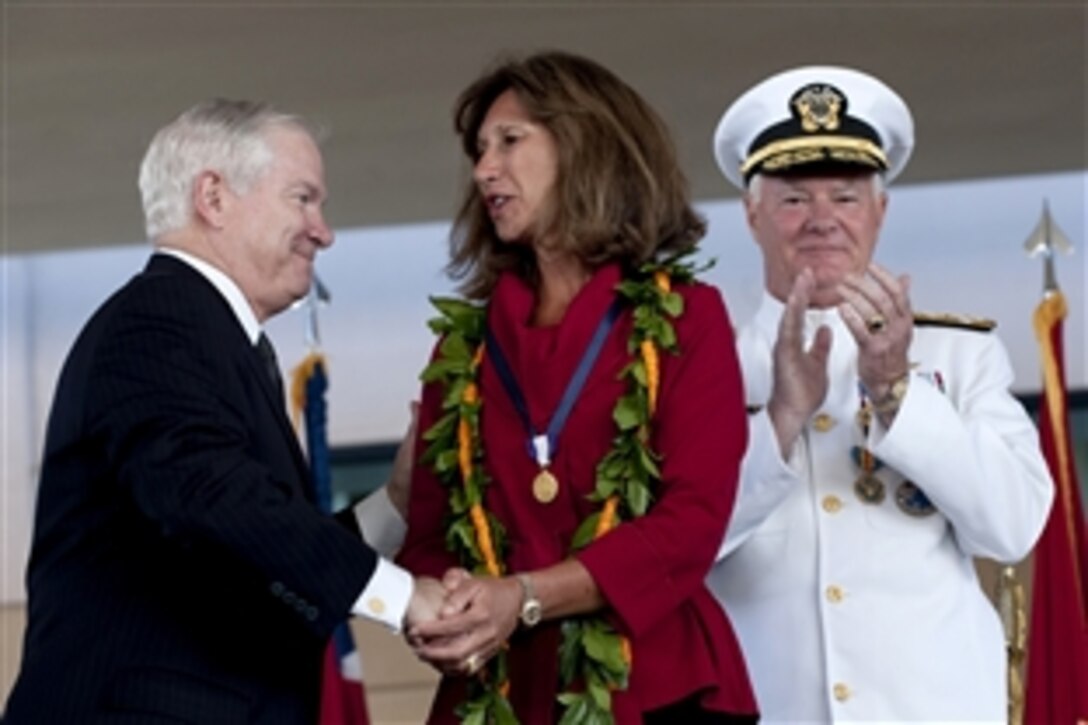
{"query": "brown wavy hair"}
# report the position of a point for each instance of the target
(620, 194)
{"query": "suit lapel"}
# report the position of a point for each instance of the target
(256, 367)
(225, 326)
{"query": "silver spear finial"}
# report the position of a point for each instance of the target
(1045, 239)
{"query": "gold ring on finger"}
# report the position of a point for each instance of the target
(876, 324)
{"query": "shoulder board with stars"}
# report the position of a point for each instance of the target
(947, 319)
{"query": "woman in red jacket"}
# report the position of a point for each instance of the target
(583, 420)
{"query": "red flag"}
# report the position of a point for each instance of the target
(1057, 661)
(343, 699)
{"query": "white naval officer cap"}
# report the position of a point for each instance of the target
(814, 119)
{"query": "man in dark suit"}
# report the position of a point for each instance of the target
(180, 571)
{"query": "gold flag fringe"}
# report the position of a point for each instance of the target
(299, 375)
(1051, 311)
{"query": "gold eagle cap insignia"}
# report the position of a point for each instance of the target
(818, 107)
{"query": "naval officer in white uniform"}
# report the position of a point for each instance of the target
(885, 448)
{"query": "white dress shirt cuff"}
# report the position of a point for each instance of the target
(385, 597)
(380, 524)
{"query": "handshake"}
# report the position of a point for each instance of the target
(457, 624)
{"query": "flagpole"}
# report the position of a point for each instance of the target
(1056, 666)
(317, 296)
(343, 695)
(1010, 591)
(304, 371)
(1010, 602)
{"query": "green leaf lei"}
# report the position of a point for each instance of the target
(592, 653)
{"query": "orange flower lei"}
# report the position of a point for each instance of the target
(592, 653)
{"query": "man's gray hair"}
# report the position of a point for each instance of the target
(756, 183)
(222, 135)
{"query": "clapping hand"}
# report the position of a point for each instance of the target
(800, 375)
(876, 307)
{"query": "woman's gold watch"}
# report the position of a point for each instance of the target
(531, 611)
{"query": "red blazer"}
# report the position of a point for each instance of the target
(651, 571)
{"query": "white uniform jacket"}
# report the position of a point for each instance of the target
(850, 611)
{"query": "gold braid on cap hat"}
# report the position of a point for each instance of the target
(824, 145)
(819, 109)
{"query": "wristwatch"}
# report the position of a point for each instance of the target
(531, 611)
(894, 397)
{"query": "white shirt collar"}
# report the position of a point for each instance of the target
(226, 286)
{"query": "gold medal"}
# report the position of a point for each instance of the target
(869, 488)
(545, 486)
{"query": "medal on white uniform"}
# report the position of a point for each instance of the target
(867, 486)
(910, 499)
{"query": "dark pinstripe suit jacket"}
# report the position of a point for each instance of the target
(180, 572)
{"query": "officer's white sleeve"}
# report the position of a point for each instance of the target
(765, 482)
(975, 454)
(385, 597)
(380, 524)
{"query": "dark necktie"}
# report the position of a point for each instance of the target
(271, 365)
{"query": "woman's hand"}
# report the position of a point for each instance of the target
(479, 615)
